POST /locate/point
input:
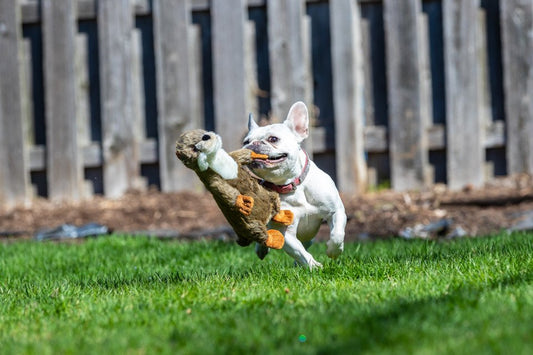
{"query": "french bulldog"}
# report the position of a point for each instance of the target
(303, 187)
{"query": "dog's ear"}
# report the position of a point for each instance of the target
(251, 122)
(298, 121)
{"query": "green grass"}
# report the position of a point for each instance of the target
(138, 295)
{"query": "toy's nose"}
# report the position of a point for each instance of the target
(206, 137)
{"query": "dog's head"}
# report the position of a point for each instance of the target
(281, 142)
(192, 147)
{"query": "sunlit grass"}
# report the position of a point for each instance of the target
(138, 295)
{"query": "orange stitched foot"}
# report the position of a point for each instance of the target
(275, 239)
(255, 155)
(284, 217)
(245, 204)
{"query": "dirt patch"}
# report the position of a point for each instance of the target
(499, 205)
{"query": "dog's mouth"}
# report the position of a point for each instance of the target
(271, 160)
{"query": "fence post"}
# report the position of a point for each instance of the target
(64, 168)
(14, 174)
(347, 62)
(229, 63)
(517, 48)
(174, 99)
(407, 127)
(464, 128)
(120, 145)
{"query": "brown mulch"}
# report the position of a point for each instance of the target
(497, 206)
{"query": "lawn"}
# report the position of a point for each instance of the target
(122, 294)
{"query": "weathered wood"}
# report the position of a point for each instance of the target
(464, 129)
(229, 77)
(407, 128)
(14, 175)
(82, 91)
(485, 107)
(348, 95)
(517, 48)
(287, 55)
(196, 93)
(172, 50)
(252, 86)
(119, 143)
(138, 85)
(64, 174)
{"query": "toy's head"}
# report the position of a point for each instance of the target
(186, 149)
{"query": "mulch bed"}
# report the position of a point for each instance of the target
(499, 205)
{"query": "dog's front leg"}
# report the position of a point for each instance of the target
(337, 224)
(294, 247)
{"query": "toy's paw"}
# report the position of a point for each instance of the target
(254, 155)
(275, 239)
(285, 217)
(243, 242)
(261, 251)
(245, 204)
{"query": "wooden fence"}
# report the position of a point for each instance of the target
(94, 93)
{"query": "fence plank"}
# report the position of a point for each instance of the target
(229, 60)
(348, 93)
(288, 59)
(517, 27)
(172, 50)
(63, 159)
(464, 129)
(120, 145)
(82, 91)
(407, 128)
(14, 176)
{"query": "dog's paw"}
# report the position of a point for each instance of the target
(245, 204)
(334, 249)
(313, 264)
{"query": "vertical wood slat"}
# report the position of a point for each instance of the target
(348, 94)
(82, 91)
(252, 85)
(287, 55)
(14, 174)
(63, 157)
(172, 51)
(229, 77)
(426, 92)
(407, 131)
(196, 93)
(517, 48)
(464, 130)
(120, 145)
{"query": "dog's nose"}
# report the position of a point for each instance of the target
(206, 137)
(256, 142)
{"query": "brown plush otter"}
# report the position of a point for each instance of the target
(246, 204)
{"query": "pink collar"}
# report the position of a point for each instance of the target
(290, 187)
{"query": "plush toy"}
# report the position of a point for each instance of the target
(247, 205)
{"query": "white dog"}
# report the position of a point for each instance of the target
(304, 189)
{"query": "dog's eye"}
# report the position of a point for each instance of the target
(272, 139)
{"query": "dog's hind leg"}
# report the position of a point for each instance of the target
(336, 223)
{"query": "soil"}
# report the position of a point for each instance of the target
(499, 205)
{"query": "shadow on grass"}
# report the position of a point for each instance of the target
(157, 279)
(380, 329)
